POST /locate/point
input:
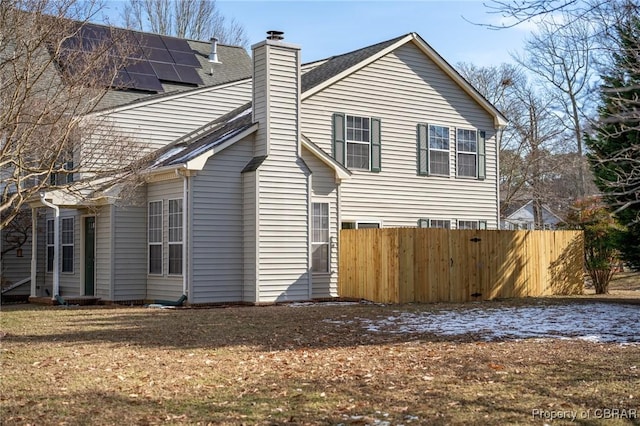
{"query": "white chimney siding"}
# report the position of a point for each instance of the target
(276, 193)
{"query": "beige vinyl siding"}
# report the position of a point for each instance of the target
(405, 88)
(159, 123)
(217, 229)
(164, 286)
(325, 190)
(12, 267)
(283, 235)
(283, 191)
(249, 229)
(130, 252)
(260, 101)
(104, 252)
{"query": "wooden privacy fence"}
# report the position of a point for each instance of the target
(398, 265)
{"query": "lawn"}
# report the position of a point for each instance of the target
(323, 364)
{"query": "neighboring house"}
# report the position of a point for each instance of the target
(521, 216)
(248, 206)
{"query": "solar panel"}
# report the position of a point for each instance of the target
(185, 58)
(165, 71)
(122, 80)
(151, 40)
(143, 59)
(158, 55)
(146, 82)
(188, 74)
(96, 32)
(140, 67)
(178, 44)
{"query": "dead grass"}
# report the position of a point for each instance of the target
(277, 365)
(622, 285)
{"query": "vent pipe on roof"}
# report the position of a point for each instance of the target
(275, 35)
(213, 56)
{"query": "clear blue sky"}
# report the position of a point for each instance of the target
(326, 28)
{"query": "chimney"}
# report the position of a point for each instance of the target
(276, 93)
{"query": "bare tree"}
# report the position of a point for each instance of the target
(530, 141)
(49, 89)
(560, 55)
(519, 11)
(194, 19)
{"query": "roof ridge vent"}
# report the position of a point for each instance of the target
(275, 35)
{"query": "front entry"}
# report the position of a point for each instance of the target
(89, 256)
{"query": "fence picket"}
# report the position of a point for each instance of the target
(400, 265)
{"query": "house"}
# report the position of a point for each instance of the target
(522, 217)
(248, 206)
(140, 107)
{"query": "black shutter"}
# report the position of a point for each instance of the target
(482, 161)
(338, 138)
(422, 149)
(376, 149)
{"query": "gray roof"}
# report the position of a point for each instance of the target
(235, 64)
(204, 138)
(337, 64)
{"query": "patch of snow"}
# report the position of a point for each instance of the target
(167, 155)
(594, 322)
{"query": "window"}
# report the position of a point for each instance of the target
(361, 225)
(472, 224)
(67, 244)
(175, 237)
(61, 178)
(356, 142)
(433, 151)
(467, 150)
(439, 150)
(467, 224)
(50, 245)
(320, 237)
(439, 223)
(154, 226)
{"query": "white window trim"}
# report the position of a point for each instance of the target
(448, 151)
(71, 244)
(459, 151)
(327, 243)
(175, 243)
(49, 244)
(155, 243)
(348, 141)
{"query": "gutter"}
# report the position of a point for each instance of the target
(56, 250)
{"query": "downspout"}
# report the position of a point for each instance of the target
(499, 132)
(185, 233)
(56, 239)
(34, 251)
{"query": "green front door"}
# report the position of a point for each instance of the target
(89, 256)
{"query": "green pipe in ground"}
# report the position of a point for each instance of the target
(178, 302)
